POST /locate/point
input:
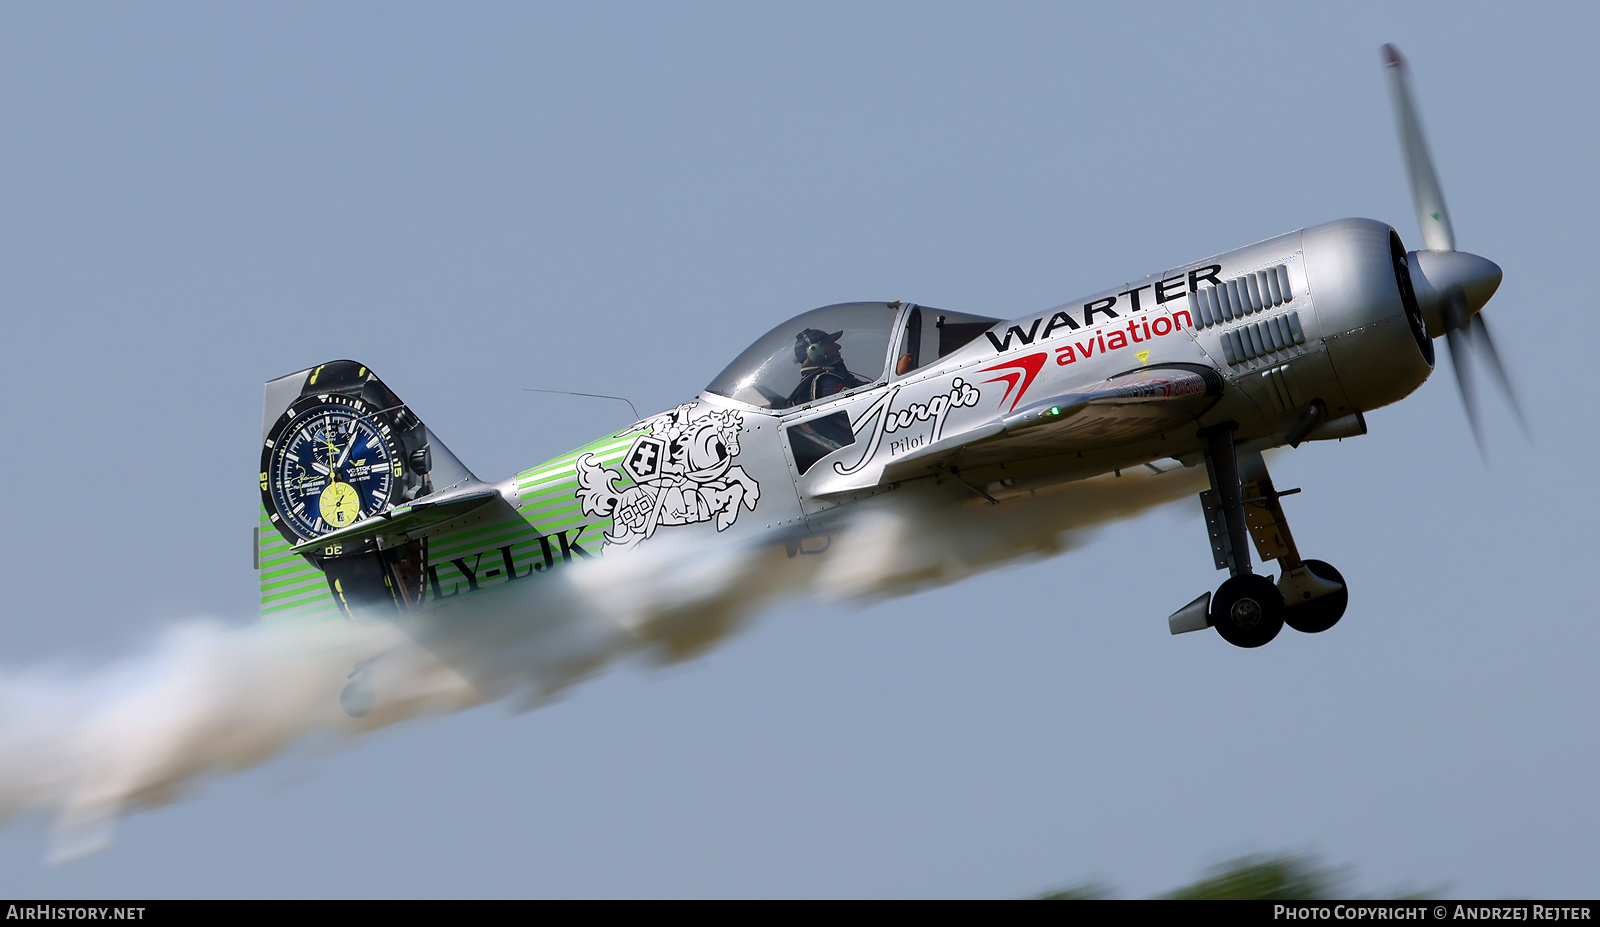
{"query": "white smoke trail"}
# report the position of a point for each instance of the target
(90, 746)
(931, 536)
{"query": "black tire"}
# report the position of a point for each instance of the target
(1319, 615)
(1247, 610)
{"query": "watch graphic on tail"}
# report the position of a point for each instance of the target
(345, 450)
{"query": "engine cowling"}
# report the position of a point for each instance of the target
(1374, 330)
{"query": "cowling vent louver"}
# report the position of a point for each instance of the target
(1245, 296)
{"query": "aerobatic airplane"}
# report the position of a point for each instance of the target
(1291, 339)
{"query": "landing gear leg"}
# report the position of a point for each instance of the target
(1314, 592)
(1242, 506)
(1247, 610)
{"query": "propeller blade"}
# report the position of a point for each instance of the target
(1458, 333)
(1450, 275)
(1460, 341)
(1425, 193)
(1479, 332)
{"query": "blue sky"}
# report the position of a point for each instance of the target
(617, 198)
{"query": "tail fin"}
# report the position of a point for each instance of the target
(338, 447)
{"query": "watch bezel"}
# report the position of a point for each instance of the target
(302, 409)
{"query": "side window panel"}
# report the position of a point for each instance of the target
(955, 330)
(811, 441)
(934, 333)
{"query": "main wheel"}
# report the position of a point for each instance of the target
(1247, 610)
(1319, 614)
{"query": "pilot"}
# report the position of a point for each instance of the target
(822, 370)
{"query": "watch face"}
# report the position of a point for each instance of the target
(328, 463)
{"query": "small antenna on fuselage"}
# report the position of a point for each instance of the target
(566, 392)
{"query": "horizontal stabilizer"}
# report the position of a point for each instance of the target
(407, 521)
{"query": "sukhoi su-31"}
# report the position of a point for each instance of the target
(365, 515)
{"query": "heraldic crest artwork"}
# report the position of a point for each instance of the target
(683, 474)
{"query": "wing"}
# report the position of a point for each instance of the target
(1125, 409)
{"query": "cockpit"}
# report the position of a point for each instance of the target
(842, 348)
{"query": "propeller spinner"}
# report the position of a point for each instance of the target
(1452, 286)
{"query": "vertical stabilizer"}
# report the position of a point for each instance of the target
(338, 447)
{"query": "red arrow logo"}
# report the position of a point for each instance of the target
(1023, 369)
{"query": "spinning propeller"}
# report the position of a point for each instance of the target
(1452, 286)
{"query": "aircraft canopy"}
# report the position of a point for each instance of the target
(848, 344)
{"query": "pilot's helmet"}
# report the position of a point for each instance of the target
(814, 346)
